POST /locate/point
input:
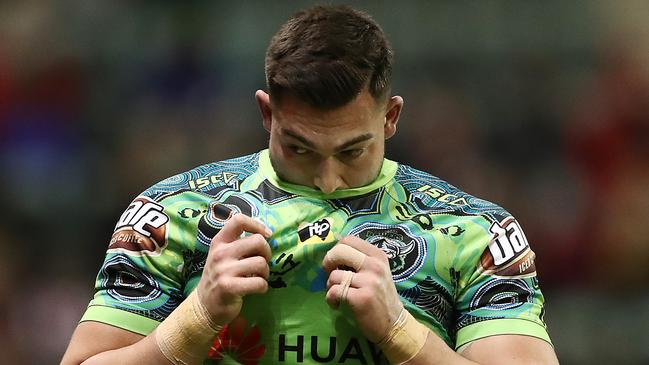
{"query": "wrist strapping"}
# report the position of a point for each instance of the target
(404, 340)
(185, 336)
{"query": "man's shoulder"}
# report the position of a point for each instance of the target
(431, 193)
(207, 179)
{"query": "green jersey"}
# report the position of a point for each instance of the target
(461, 265)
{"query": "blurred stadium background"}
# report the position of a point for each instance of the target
(541, 106)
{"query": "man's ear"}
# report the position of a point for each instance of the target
(392, 113)
(263, 100)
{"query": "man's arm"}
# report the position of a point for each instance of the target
(373, 298)
(236, 265)
(496, 350)
(99, 343)
(510, 349)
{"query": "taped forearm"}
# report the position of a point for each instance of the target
(404, 340)
(186, 335)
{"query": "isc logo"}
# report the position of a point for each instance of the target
(442, 196)
(140, 214)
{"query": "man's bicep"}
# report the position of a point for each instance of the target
(509, 349)
(91, 338)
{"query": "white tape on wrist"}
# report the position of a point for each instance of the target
(186, 335)
(404, 340)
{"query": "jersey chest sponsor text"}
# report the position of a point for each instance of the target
(293, 349)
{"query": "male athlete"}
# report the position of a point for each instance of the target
(317, 250)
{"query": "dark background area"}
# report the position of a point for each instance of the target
(541, 107)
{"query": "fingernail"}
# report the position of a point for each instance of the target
(268, 232)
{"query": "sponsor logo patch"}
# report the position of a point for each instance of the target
(508, 253)
(141, 228)
(294, 349)
(442, 195)
(316, 232)
(238, 343)
(224, 178)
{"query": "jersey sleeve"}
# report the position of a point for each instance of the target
(498, 291)
(142, 278)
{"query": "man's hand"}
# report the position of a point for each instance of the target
(235, 266)
(372, 295)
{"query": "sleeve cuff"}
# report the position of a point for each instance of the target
(494, 327)
(120, 318)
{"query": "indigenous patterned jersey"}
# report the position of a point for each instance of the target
(461, 265)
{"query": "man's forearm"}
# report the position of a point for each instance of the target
(143, 352)
(182, 338)
(498, 349)
(437, 352)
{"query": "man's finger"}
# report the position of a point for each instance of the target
(362, 246)
(343, 255)
(338, 277)
(334, 295)
(248, 285)
(251, 266)
(238, 224)
(249, 246)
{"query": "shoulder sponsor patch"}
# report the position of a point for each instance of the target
(141, 229)
(508, 253)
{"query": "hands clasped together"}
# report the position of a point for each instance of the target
(359, 274)
(237, 265)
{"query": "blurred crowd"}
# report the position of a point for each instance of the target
(529, 106)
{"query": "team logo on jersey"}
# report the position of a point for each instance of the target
(406, 252)
(141, 229)
(508, 253)
(316, 232)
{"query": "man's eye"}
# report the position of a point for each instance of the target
(353, 153)
(299, 150)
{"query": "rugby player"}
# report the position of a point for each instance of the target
(318, 249)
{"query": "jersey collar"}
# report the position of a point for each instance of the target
(388, 170)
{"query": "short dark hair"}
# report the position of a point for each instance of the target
(326, 55)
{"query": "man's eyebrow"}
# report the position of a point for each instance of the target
(304, 141)
(351, 142)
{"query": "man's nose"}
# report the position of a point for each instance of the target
(326, 176)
